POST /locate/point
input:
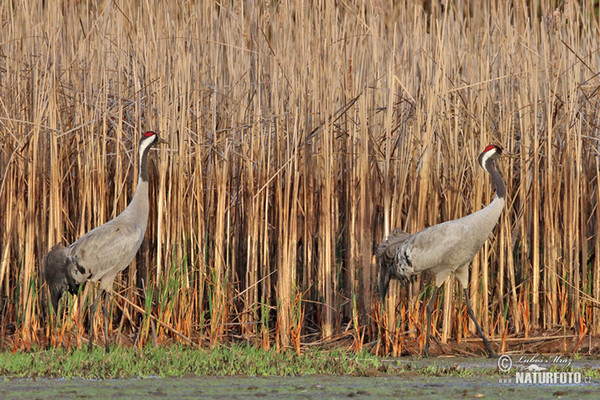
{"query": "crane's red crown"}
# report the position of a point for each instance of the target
(490, 147)
(150, 133)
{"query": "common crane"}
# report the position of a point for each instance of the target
(103, 252)
(445, 248)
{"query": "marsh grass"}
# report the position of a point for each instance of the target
(232, 360)
(179, 360)
(300, 135)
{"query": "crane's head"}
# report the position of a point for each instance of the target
(490, 153)
(150, 139)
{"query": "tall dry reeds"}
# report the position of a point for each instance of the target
(300, 135)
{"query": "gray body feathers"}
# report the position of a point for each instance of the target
(100, 254)
(103, 252)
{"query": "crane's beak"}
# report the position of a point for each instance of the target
(510, 155)
(161, 140)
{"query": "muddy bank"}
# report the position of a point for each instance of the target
(307, 387)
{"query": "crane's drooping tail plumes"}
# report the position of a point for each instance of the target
(385, 254)
(443, 249)
(100, 254)
(55, 274)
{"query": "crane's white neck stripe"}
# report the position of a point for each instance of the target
(144, 145)
(486, 157)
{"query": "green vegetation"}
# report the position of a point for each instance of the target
(238, 360)
(176, 361)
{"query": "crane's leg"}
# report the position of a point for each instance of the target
(91, 316)
(472, 315)
(106, 315)
(429, 311)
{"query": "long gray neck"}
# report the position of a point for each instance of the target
(497, 181)
(484, 220)
(137, 209)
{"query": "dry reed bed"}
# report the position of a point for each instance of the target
(299, 136)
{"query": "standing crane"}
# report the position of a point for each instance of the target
(103, 252)
(445, 248)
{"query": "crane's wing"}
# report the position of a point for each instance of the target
(107, 249)
(449, 244)
(386, 259)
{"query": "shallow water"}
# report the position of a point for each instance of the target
(306, 387)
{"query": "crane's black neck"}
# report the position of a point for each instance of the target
(497, 181)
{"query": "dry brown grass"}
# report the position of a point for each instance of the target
(299, 136)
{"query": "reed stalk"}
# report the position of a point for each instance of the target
(300, 136)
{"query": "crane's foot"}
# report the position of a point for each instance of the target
(491, 353)
(486, 343)
(426, 351)
(437, 342)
